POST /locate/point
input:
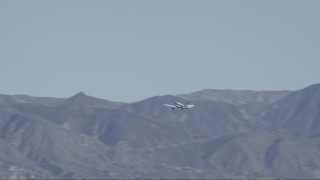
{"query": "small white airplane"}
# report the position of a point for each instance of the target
(180, 105)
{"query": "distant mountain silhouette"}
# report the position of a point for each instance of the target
(228, 135)
(19, 99)
(298, 113)
(213, 118)
(254, 102)
(236, 97)
(82, 100)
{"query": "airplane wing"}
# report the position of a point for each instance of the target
(179, 103)
(169, 105)
(190, 106)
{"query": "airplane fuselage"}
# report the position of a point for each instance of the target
(179, 105)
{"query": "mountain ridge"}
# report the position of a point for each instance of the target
(298, 113)
(241, 135)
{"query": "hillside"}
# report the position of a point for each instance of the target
(298, 113)
(228, 134)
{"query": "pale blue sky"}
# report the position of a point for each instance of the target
(130, 50)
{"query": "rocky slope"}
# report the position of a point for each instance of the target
(229, 134)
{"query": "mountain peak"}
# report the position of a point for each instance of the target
(81, 96)
(81, 99)
(81, 93)
(312, 88)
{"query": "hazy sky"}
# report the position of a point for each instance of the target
(130, 50)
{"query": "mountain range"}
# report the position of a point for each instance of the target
(229, 134)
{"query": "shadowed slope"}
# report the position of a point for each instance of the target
(297, 113)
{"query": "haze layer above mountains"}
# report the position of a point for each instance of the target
(229, 134)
